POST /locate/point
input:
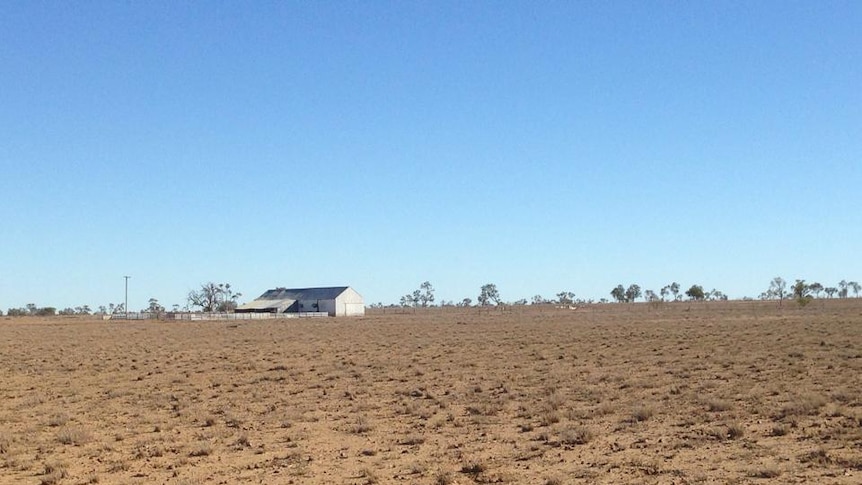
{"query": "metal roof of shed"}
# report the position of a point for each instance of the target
(329, 293)
(264, 304)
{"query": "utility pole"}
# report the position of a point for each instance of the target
(127, 296)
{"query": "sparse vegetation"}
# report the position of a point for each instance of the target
(735, 431)
(202, 448)
(58, 420)
(73, 435)
(5, 443)
(766, 472)
(801, 405)
(473, 468)
(361, 426)
(642, 413)
(576, 435)
(54, 472)
(459, 395)
(717, 405)
(443, 478)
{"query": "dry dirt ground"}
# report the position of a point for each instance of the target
(738, 392)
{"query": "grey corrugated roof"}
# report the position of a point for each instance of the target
(330, 293)
(264, 304)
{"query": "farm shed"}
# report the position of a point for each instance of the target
(337, 301)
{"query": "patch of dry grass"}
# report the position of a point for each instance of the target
(73, 435)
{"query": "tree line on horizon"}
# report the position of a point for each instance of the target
(211, 297)
(804, 292)
(489, 295)
(220, 297)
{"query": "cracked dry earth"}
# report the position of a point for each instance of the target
(729, 392)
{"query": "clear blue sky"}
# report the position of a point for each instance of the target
(540, 146)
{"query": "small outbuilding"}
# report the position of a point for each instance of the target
(337, 301)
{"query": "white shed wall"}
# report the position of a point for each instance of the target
(349, 304)
(354, 309)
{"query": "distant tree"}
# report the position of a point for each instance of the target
(421, 297)
(47, 311)
(488, 294)
(118, 308)
(778, 289)
(695, 293)
(466, 302)
(32, 309)
(652, 296)
(855, 287)
(800, 289)
(521, 302)
(1, 313)
(674, 288)
(229, 299)
(538, 300)
(830, 291)
(102, 310)
(816, 288)
(665, 290)
(842, 289)
(619, 293)
(633, 292)
(801, 293)
(214, 297)
(154, 307)
(67, 311)
(426, 296)
(565, 297)
(16, 312)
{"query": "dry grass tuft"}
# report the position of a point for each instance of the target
(412, 440)
(5, 443)
(717, 405)
(53, 472)
(242, 441)
(73, 435)
(369, 476)
(361, 426)
(58, 420)
(642, 413)
(803, 405)
(201, 448)
(577, 435)
(735, 431)
(443, 478)
(549, 417)
(473, 468)
(818, 456)
(768, 471)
